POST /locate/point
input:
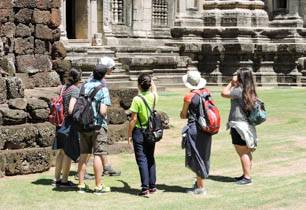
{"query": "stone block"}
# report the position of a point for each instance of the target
(118, 148)
(42, 47)
(27, 161)
(3, 90)
(15, 88)
(43, 4)
(39, 115)
(18, 136)
(8, 30)
(46, 79)
(8, 43)
(55, 20)
(56, 34)
(2, 164)
(26, 63)
(13, 116)
(18, 103)
(123, 97)
(24, 3)
(24, 16)
(7, 65)
(62, 65)
(5, 4)
(40, 16)
(116, 116)
(56, 3)
(1, 120)
(24, 45)
(34, 104)
(6, 15)
(46, 134)
(58, 50)
(117, 133)
(43, 32)
(23, 30)
(26, 81)
(43, 62)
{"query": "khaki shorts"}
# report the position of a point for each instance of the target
(93, 142)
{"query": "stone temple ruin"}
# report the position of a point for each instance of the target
(40, 40)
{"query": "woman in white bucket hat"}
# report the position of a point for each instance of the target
(197, 143)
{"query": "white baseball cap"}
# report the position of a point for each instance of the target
(108, 62)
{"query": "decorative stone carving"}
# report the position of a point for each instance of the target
(118, 11)
(159, 13)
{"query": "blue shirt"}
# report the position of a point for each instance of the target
(102, 97)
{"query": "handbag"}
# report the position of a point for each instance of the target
(258, 114)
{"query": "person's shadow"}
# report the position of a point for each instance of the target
(125, 189)
(219, 178)
(161, 187)
(43, 181)
(48, 182)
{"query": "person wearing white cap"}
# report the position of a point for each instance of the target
(108, 62)
(198, 143)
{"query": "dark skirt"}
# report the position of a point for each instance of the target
(198, 149)
(68, 138)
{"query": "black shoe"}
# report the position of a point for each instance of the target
(109, 171)
(86, 177)
(56, 183)
(244, 181)
(68, 184)
(238, 178)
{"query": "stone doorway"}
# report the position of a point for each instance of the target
(77, 19)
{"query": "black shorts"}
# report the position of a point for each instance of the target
(236, 138)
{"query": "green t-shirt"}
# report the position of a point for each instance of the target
(139, 107)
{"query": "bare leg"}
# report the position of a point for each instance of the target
(200, 182)
(104, 160)
(58, 164)
(97, 165)
(82, 168)
(245, 158)
(66, 168)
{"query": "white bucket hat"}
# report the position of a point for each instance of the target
(107, 61)
(193, 80)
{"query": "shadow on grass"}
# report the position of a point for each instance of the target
(48, 182)
(218, 178)
(162, 187)
(171, 188)
(43, 182)
(125, 189)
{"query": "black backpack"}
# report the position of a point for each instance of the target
(83, 114)
(154, 132)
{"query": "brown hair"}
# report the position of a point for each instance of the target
(249, 95)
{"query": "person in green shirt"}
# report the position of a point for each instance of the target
(144, 151)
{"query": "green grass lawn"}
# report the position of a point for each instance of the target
(279, 172)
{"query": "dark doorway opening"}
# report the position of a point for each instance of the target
(70, 19)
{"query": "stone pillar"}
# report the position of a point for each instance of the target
(63, 21)
(188, 13)
(292, 19)
(95, 37)
(142, 13)
(107, 17)
(265, 75)
(294, 8)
